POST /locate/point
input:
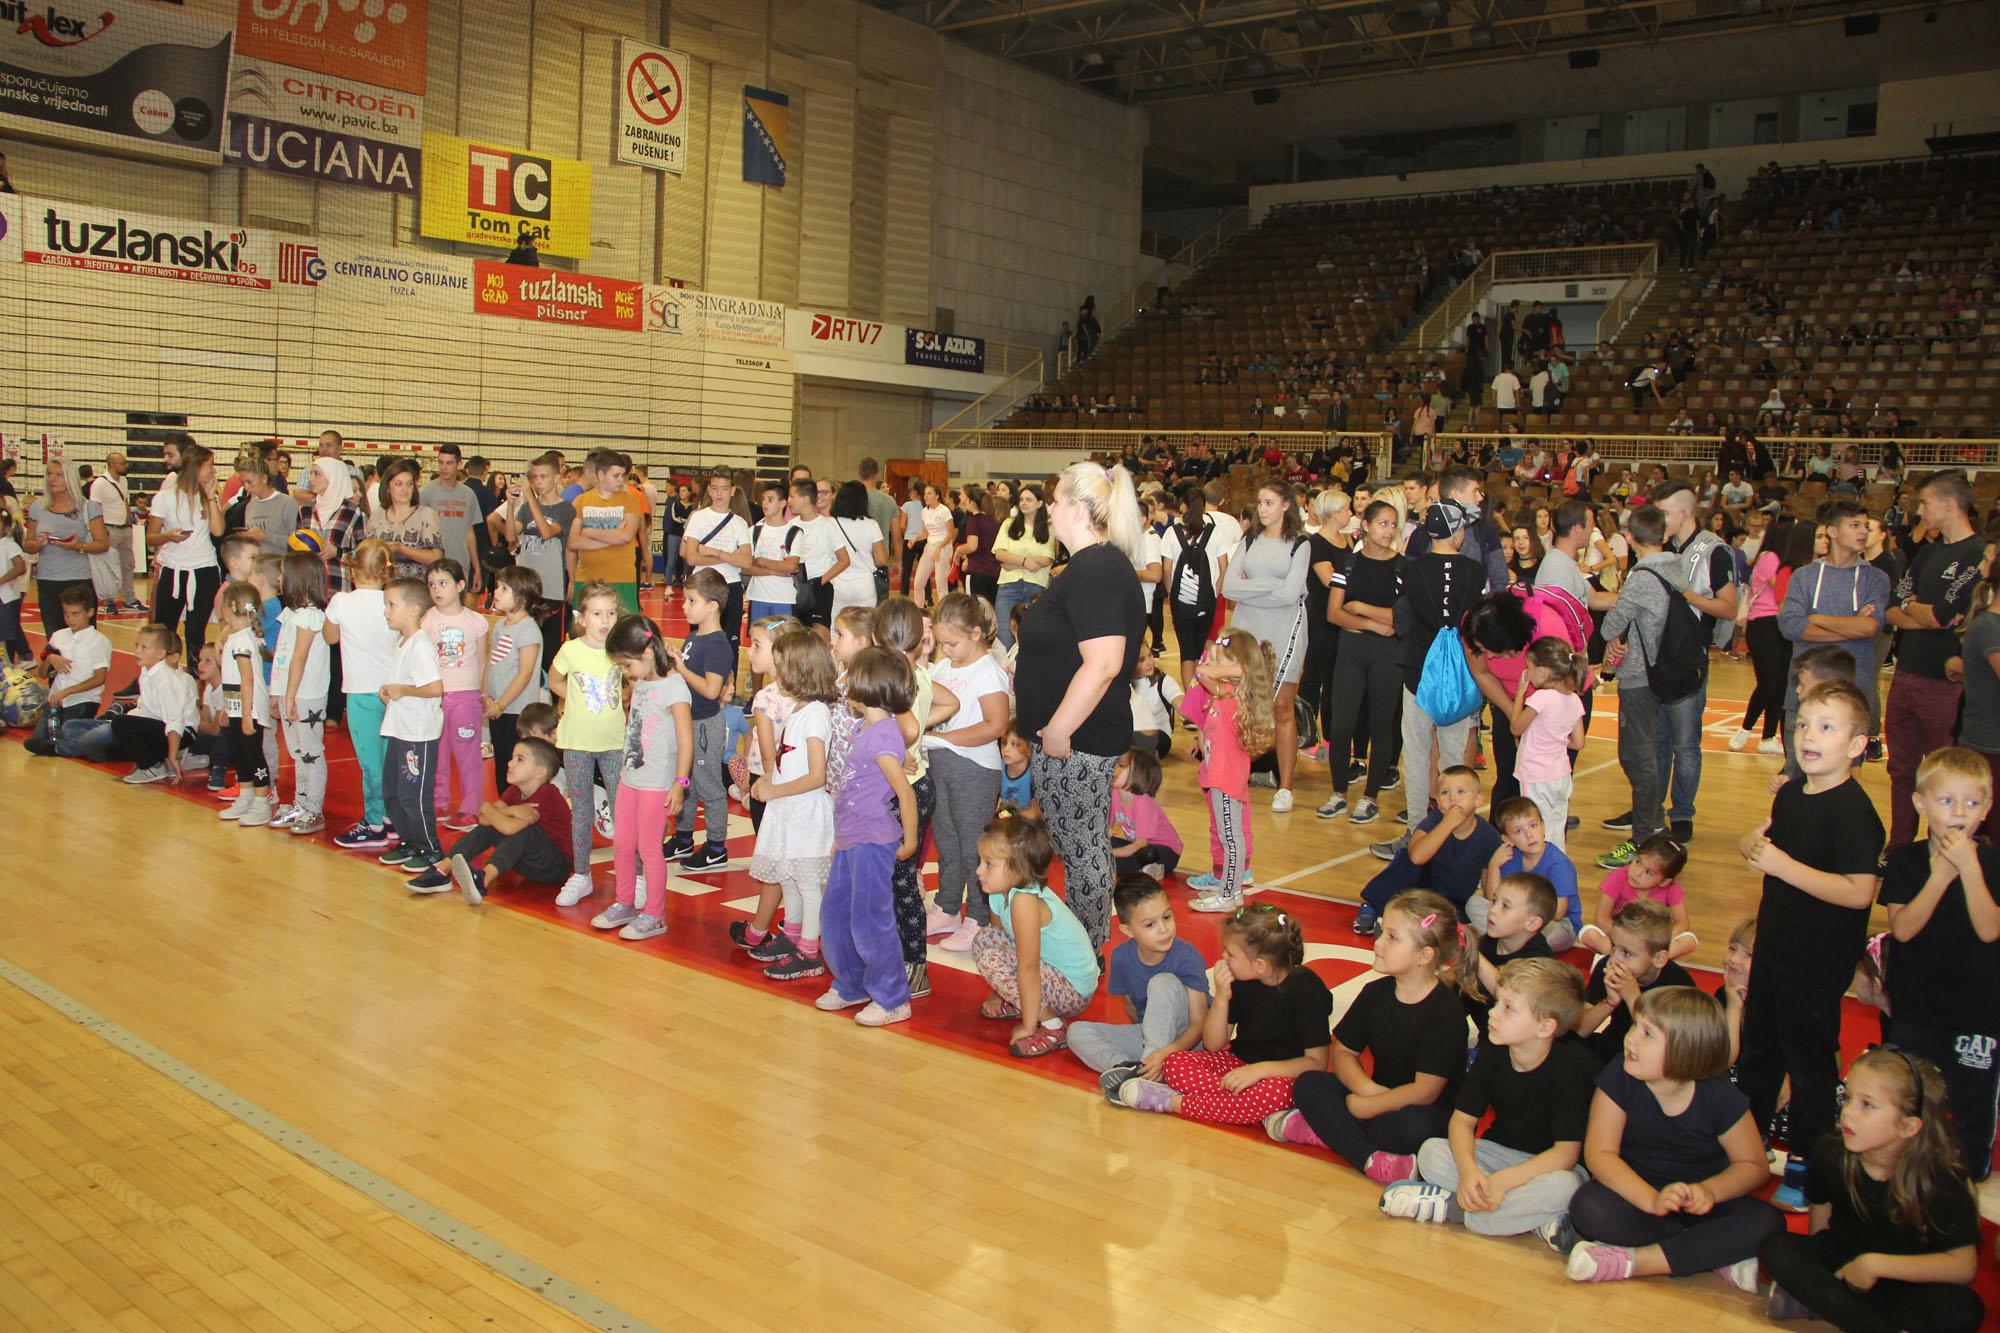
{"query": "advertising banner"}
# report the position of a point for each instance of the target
(10, 447)
(944, 351)
(307, 124)
(841, 335)
(346, 272)
(765, 117)
(652, 100)
(554, 297)
(112, 240)
(125, 73)
(480, 194)
(684, 312)
(10, 228)
(372, 43)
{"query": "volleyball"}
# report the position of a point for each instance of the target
(21, 697)
(305, 539)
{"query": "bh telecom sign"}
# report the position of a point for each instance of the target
(652, 97)
(482, 194)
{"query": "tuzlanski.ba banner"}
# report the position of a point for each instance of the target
(111, 240)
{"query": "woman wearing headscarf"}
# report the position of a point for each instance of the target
(335, 515)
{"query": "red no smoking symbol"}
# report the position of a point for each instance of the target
(653, 86)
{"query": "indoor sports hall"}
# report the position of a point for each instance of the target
(1273, 486)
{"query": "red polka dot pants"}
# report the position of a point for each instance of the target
(1197, 1077)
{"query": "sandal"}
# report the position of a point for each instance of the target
(998, 1009)
(1042, 1041)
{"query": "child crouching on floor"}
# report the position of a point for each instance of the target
(526, 830)
(1032, 934)
(1654, 875)
(1162, 980)
(1143, 840)
(1262, 988)
(1520, 1175)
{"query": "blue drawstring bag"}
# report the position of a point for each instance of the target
(1446, 690)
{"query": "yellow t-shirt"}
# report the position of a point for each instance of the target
(612, 564)
(593, 715)
(1025, 544)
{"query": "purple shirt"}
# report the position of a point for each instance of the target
(864, 810)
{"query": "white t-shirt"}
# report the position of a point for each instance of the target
(816, 545)
(857, 537)
(768, 543)
(87, 650)
(14, 589)
(407, 718)
(1538, 388)
(367, 644)
(939, 525)
(1150, 550)
(166, 693)
(1148, 714)
(109, 496)
(1737, 493)
(177, 514)
(733, 535)
(1506, 390)
(239, 696)
(968, 685)
(317, 678)
(1229, 532)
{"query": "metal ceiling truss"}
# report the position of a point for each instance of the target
(1152, 51)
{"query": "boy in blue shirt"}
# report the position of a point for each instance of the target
(707, 662)
(1525, 848)
(1163, 982)
(1448, 852)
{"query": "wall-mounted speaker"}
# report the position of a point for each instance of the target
(1583, 59)
(1864, 25)
(1263, 96)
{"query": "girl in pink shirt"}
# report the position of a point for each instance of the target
(1143, 839)
(1547, 721)
(1653, 875)
(1230, 704)
(460, 635)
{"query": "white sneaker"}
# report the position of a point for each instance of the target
(1282, 801)
(574, 890)
(1216, 902)
(1741, 740)
(1771, 745)
(1335, 807)
(255, 815)
(235, 809)
(286, 815)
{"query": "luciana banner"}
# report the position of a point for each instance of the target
(362, 41)
(111, 240)
(127, 74)
(944, 351)
(555, 297)
(484, 194)
(303, 123)
(684, 312)
(765, 124)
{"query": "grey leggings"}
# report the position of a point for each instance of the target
(707, 785)
(1075, 796)
(578, 766)
(966, 793)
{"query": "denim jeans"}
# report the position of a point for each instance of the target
(1010, 595)
(1677, 749)
(1639, 726)
(85, 738)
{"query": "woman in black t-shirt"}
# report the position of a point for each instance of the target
(1895, 1226)
(1078, 646)
(1368, 664)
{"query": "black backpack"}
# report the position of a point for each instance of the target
(1679, 663)
(1194, 584)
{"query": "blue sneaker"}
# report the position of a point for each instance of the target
(1366, 922)
(1205, 881)
(1791, 1195)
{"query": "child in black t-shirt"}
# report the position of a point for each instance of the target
(1515, 917)
(1640, 935)
(1819, 853)
(1942, 960)
(1412, 1024)
(707, 660)
(1519, 1177)
(1895, 1225)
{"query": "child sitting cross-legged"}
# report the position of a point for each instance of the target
(1637, 963)
(1520, 1175)
(1448, 852)
(1652, 876)
(526, 831)
(1162, 981)
(1673, 1154)
(1034, 952)
(1412, 1026)
(1143, 840)
(1526, 847)
(1519, 909)
(1279, 1010)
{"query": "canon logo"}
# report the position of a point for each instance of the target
(835, 329)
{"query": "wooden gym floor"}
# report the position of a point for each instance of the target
(672, 1147)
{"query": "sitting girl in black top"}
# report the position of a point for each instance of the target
(1894, 1223)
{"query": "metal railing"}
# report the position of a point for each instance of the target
(1618, 310)
(1700, 450)
(1565, 264)
(1116, 314)
(1080, 444)
(1010, 358)
(990, 406)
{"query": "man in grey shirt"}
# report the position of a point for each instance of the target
(881, 504)
(272, 514)
(457, 508)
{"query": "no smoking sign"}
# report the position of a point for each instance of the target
(652, 93)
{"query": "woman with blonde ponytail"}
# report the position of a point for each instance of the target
(1079, 643)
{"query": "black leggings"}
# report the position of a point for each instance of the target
(247, 748)
(505, 730)
(1805, 1265)
(1156, 621)
(1152, 854)
(1370, 667)
(1726, 1234)
(1322, 1100)
(1771, 659)
(1191, 633)
(1322, 644)
(186, 596)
